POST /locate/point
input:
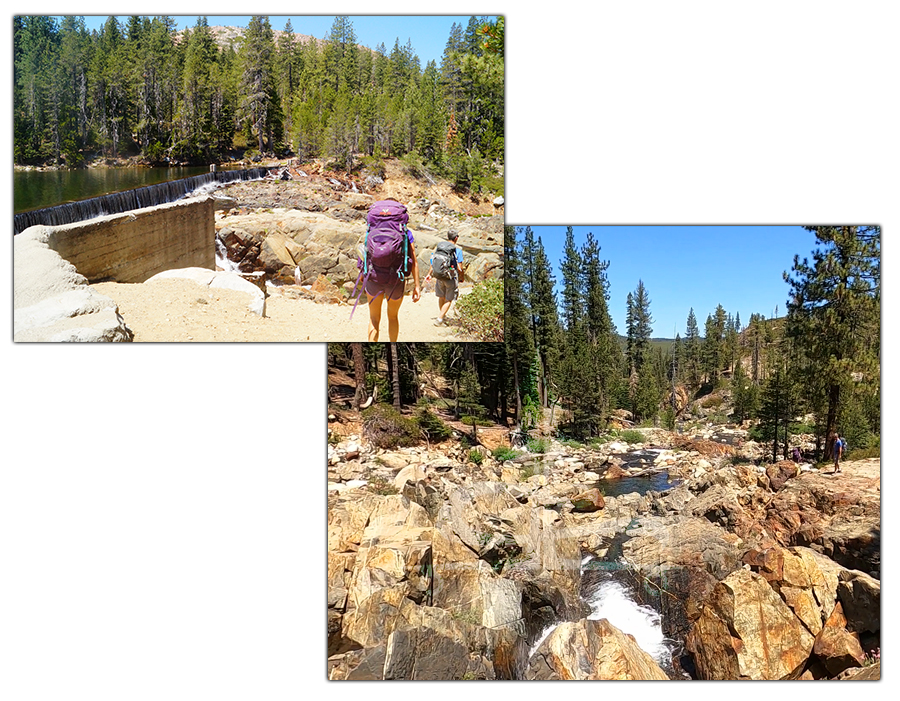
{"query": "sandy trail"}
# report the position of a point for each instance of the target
(169, 310)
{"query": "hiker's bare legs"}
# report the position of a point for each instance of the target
(444, 306)
(393, 309)
(375, 317)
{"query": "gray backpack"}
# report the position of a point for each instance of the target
(444, 260)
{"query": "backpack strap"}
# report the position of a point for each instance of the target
(366, 252)
(402, 271)
(354, 294)
(363, 274)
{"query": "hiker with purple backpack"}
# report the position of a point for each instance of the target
(387, 260)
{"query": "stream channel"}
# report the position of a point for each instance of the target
(613, 590)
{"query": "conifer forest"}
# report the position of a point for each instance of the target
(819, 360)
(139, 89)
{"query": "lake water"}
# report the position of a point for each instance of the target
(37, 189)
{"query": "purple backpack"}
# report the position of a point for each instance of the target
(385, 253)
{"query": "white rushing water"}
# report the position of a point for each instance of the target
(222, 258)
(612, 601)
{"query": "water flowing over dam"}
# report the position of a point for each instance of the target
(118, 202)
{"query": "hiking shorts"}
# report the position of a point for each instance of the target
(447, 289)
(390, 290)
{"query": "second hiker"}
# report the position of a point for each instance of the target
(838, 450)
(446, 268)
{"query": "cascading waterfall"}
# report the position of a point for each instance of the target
(118, 202)
(612, 599)
(222, 260)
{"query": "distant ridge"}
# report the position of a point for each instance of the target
(232, 36)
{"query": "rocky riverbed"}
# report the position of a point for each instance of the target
(295, 235)
(444, 568)
(304, 223)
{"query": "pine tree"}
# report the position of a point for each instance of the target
(603, 347)
(639, 326)
(692, 350)
(518, 335)
(257, 86)
(744, 395)
(571, 279)
(541, 296)
(834, 313)
(430, 118)
(341, 55)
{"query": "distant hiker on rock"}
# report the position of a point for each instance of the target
(386, 261)
(446, 267)
(838, 450)
(797, 454)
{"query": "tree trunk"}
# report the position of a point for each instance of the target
(777, 409)
(413, 367)
(395, 375)
(518, 394)
(834, 397)
(359, 372)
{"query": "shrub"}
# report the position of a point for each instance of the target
(476, 456)
(798, 428)
(632, 436)
(758, 434)
(374, 165)
(413, 165)
(470, 420)
(380, 485)
(467, 616)
(481, 311)
(502, 453)
(537, 445)
(384, 427)
(155, 153)
(668, 418)
(863, 453)
(872, 657)
(718, 418)
(712, 402)
(492, 183)
(432, 426)
(530, 471)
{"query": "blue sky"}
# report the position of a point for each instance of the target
(739, 267)
(429, 33)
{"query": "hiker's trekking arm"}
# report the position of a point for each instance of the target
(417, 290)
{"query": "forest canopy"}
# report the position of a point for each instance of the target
(820, 361)
(141, 89)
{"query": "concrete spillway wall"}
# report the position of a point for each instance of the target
(53, 266)
(136, 245)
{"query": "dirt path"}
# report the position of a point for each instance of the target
(183, 310)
